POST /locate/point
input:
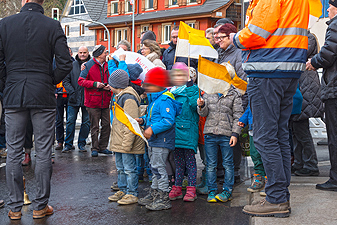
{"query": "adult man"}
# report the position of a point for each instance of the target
(274, 54)
(326, 59)
(210, 35)
(28, 42)
(76, 102)
(97, 96)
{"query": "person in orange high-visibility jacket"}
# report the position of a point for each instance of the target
(274, 44)
(61, 108)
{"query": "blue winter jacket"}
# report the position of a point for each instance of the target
(247, 118)
(161, 115)
(187, 133)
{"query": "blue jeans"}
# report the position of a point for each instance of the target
(143, 163)
(271, 103)
(71, 122)
(212, 143)
(127, 173)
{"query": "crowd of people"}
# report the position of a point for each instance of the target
(178, 119)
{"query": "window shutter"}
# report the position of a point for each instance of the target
(138, 31)
(150, 27)
(100, 35)
(143, 5)
(128, 31)
(109, 8)
(167, 3)
(179, 2)
(184, 2)
(119, 7)
(123, 7)
(197, 25)
(159, 33)
(112, 37)
(198, 1)
(155, 4)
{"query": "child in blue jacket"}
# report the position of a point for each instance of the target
(159, 124)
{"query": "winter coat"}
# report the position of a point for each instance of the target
(274, 41)
(70, 83)
(187, 122)
(310, 87)
(168, 58)
(122, 140)
(223, 113)
(161, 116)
(28, 43)
(155, 59)
(94, 72)
(327, 59)
(247, 118)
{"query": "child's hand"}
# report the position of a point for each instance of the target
(200, 102)
(148, 133)
(83, 66)
(233, 141)
(122, 57)
(139, 120)
(241, 124)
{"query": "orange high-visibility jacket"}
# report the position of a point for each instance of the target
(274, 40)
(60, 85)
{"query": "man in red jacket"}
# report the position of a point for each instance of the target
(97, 96)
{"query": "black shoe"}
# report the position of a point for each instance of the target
(306, 172)
(237, 179)
(293, 169)
(72, 147)
(59, 146)
(327, 186)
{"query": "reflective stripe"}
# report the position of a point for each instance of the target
(272, 66)
(237, 41)
(259, 31)
(290, 31)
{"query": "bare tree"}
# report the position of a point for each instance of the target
(8, 8)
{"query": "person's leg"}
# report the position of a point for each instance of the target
(179, 161)
(159, 157)
(154, 184)
(202, 153)
(85, 128)
(298, 147)
(44, 130)
(130, 169)
(211, 149)
(121, 175)
(105, 130)
(191, 166)
(170, 167)
(28, 145)
(237, 156)
(94, 127)
(227, 162)
(256, 158)
(140, 167)
(147, 165)
(70, 128)
(60, 119)
(16, 121)
(219, 169)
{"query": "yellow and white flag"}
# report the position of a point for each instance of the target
(315, 12)
(128, 121)
(215, 78)
(192, 43)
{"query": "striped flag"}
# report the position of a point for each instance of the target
(128, 121)
(192, 43)
(315, 12)
(215, 78)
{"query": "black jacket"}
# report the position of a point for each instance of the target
(28, 43)
(70, 83)
(168, 58)
(327, 59)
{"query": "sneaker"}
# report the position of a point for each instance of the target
(175, 193)
(82, 149)
(267, 209)
(203, 190)
(258, 184)
(151, 193)
(117, 196)
(190, 195)
(211, 197)
(160, 202)
(105, 151)
(27, 160)
(306, 172)
(224, 196)
(94, 153)
(66, 149)
(115, 187)
(59, 146)
(127, 200)
(3, 153)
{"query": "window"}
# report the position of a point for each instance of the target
(128, 6)
(82, 28)
(191, 25)
(77, 7)
(149, 4)
(191, 1)
(66, 30)
(145, 28)
(166, 33)
(105, 35)
(173, 3)
(114, 8)
(121, 34)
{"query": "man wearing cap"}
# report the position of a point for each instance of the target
(326, 59)
(97, 96)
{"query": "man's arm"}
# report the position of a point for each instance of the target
(67, 84)
(2, 66)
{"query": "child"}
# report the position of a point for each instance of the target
(221, 130)
(159, 123)
(123, 142)
(186, 142)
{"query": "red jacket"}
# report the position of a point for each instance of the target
(94, 72)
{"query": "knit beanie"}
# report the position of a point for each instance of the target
(333, 2)
(157, 76)
(98, 50)
(119, 79)
(134, 70)
(224, 21)
(180, 66)
(148, 35)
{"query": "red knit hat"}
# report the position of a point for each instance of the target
(157, 76)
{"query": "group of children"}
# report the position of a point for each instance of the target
(171, 123)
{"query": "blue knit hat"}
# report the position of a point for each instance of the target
(119, 79)
(134, 70)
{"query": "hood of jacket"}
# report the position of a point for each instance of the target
(131, 91)
(80, 61)
(152, 56)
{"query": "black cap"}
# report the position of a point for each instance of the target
(333, 2)
(98, 50)
(224, 21)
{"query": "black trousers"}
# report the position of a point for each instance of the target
(331, 124)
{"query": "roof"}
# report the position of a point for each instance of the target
(208, 7)
(96, 9)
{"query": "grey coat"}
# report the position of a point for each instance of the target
(223, 113)
(310, 87)
(327, 59)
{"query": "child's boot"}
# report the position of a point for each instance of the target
(175, 193)
(160, 202)
(203, 180)
(204, 189)
(148, 198)
(190, 195)
(258, 184)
